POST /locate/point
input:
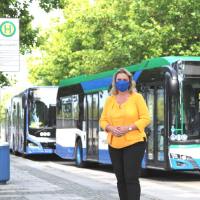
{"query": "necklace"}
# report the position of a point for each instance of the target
(120, 105)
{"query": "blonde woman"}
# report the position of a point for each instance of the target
(124, 117)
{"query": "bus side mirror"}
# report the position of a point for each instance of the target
(24, 101)
(171, 79)
(59, 103)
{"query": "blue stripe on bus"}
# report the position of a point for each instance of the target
(95, 84)
(104, 156)
(175, 166)
(104, 82)
(136, 75)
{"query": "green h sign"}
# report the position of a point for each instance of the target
(7, 29)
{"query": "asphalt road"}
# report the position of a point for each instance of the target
(50, 177)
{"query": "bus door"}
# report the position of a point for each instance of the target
(92, 126)
(155, 130)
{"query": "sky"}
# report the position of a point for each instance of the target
(40, 18)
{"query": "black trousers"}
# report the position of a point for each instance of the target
(126, 163)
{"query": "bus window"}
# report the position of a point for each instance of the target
(66, 112)
(75, 111)
(141, 89)
(160, 122)
(81, 112)
(102, 99)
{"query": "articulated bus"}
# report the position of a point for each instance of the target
(171, 89)
(30, 121)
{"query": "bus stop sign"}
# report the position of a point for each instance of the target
(9, 45)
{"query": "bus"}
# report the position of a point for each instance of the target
(171, 89)
(30, 121)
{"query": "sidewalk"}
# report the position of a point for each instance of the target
(38, 182)
(32, 180)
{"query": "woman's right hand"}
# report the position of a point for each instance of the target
(114, 130)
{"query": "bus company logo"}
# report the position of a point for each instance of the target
(7, 29)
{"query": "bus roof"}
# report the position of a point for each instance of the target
(33, 87)
(106, 77)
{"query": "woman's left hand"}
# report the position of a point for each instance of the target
(123, 129)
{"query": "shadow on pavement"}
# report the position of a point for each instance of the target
(165, 176)
(173, 176)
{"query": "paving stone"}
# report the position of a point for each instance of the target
(32, 180)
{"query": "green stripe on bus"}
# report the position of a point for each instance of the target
(96, 90)
(145, 64)
(84, 78)
(184, 146)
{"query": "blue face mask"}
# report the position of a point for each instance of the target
(122, 85)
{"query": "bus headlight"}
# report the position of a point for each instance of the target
(32, 144)
(175, 156)
(183, 157)
(180, 157)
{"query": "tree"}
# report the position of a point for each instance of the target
(4, 81)
(106, 35)
(28, 35)
(17, 9)
(6, 96)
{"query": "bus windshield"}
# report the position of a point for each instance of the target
(186, 109)
(42, 111)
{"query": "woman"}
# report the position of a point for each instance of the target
(124, 117)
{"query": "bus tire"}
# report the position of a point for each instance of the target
(143, 172)
(79, 155)
(25, 155)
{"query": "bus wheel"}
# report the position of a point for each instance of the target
(143, 172)
(79, 156)
(25, 155)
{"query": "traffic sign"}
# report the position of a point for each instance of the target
(9, 44)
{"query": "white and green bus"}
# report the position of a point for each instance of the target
(171, 88)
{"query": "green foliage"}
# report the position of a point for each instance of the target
(4, 80)
(6, 96)
(106, 35)
(16, 9)
(28, 35)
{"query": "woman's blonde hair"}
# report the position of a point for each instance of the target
(131, 88)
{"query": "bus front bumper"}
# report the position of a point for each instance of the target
(37, 150)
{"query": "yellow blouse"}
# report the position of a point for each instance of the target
(117, 116)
